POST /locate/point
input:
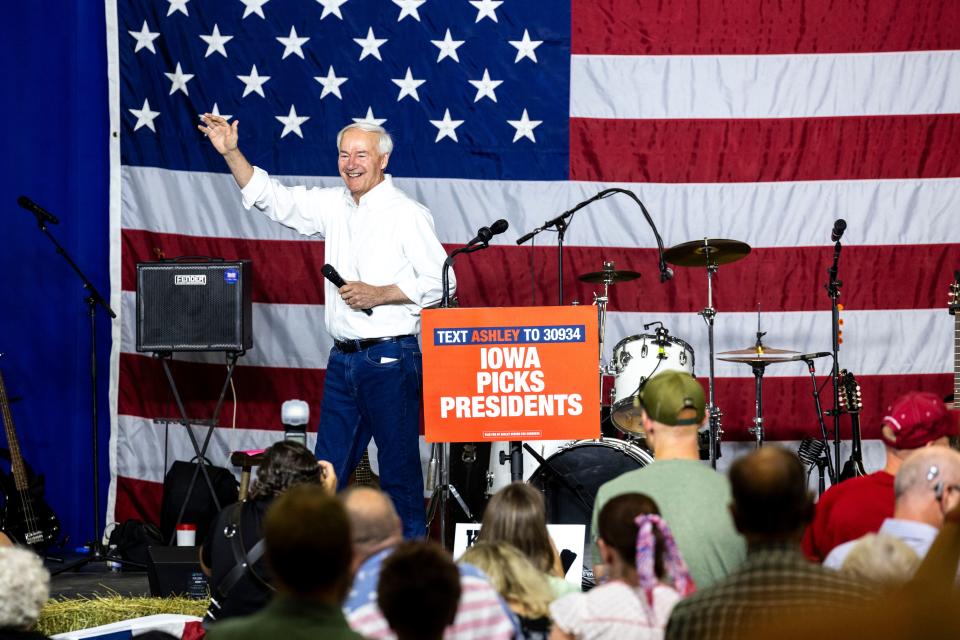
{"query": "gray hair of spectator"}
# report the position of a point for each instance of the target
(24, 587)
(882, 559)
(926, 467)
(384, 144)
(373, 518)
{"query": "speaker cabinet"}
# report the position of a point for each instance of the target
(194, 306)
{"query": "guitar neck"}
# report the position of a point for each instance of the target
(16, 460)
(956, 361)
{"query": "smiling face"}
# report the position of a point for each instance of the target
(361, 164)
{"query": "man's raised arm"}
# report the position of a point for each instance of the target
(223, 137)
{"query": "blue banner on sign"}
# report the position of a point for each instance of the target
(509, 335)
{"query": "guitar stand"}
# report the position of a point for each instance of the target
(199, 449)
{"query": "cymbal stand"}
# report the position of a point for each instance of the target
(601, 302)
(709, 313)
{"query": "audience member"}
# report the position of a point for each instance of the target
(307, 534)
(236, 537)
(927, 485)
(771, 506)
(646, 575)
(4, 540)
(377, 530)
(858, 506)
(419, 590)
(522, 585)
(692, 497)
(24, 589)
(516, 515)
(881, 559)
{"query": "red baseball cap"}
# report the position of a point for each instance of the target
(917, 418)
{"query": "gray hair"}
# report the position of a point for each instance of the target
(924, 468)
(385, 142)
(24, 587)
(882, 559)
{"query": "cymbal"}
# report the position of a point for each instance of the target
(608, 276)
(753, 355)
(696, 253)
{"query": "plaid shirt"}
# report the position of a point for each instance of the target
(775, 580)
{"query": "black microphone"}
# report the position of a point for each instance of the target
(331, 274)
(42, 214)
(839, 226)
(811, 356)
(484, 234)
(810, 451)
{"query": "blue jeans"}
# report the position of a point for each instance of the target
(364, 397)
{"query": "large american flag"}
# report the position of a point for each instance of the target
(757, 121)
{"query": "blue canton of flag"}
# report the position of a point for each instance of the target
(469, 89)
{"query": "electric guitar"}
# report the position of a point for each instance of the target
(27, 519)
(953, 307)
(851, 402)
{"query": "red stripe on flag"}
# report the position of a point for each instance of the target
(765, 149)
(877, 277)
(144, 391)
(716, 27)
(138, 499)
(788, 404)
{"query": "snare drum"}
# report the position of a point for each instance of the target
(637, 358)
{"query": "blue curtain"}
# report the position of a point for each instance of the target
(55, 151)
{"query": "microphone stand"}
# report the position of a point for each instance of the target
(92, 299)
(824, 458)
(833, 290)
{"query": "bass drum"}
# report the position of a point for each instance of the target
(572, 476)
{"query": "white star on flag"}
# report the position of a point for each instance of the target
(331, 83)
(448, 47)
(178, 5)
(145, 116)
(145, 38)
(486, 9)
(485, 86)
(370, 118)
(253, 82)
(292, 44)
(216, 112)
(254, 6)
(215, 42)
(525, 47)
(409, 8)
(332, 7)
(446, 128)
(371, 45)
(178, 80)
(524, 127)
(408, 86)
(291, 122)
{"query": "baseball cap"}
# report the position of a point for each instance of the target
(917, 418)
(666, 394)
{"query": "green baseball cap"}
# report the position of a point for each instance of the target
(666, 394)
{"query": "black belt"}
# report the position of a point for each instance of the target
(352, 346)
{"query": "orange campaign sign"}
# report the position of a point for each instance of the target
(510, 373)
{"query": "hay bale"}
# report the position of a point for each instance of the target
(73, 614)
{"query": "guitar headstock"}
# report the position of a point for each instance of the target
(851, 399)
(953, 298)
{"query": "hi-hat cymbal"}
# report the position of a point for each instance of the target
(608, 276)
(697, 253)
(753, 355)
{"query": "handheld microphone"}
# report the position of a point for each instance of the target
(331, 274)
(839, 226)
(42, 214)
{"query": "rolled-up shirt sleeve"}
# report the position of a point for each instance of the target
(423, 284)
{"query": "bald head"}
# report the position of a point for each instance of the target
(927, 484)
(373, 520)
(770, 497)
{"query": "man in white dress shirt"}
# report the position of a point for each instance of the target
(927, 486)
(384, 245)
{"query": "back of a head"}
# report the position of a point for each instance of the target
(616, 525)
(307, 535)
(373, 519)
(881, 559)
(285, 464)
(770, 495)
(24, 587)
(419, 590)
(514, 577)
(925, 474)
(516, 515)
